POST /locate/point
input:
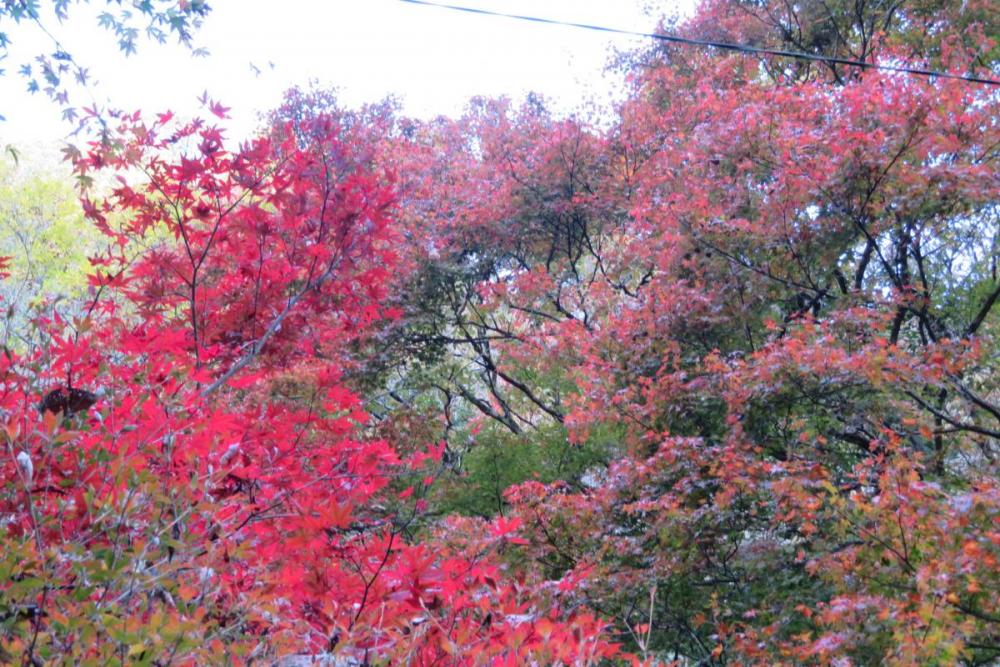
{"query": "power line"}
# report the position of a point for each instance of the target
(709, 43)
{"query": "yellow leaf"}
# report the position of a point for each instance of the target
(187, 593)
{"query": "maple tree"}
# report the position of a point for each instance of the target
(56, 72)
(765, 298)
(710, 383)
(194, 484)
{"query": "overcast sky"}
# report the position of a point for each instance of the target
(432, 59)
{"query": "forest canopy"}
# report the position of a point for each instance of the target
(712, 381)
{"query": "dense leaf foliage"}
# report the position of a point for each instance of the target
(711, 383)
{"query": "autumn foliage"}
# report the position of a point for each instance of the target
(710, 382)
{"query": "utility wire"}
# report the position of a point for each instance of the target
(709, 43)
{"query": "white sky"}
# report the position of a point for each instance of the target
(432, 59)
